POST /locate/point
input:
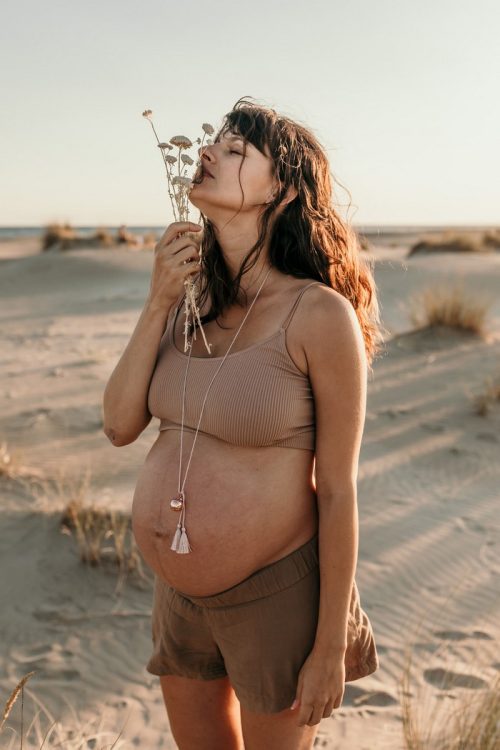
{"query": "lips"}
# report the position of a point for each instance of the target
(207, 171)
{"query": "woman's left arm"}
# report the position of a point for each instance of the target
(337, 364)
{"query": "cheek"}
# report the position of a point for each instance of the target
(258, 183)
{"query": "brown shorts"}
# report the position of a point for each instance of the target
(259, 632)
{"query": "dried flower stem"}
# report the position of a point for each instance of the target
(180, 206)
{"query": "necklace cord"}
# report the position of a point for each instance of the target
(181, 489)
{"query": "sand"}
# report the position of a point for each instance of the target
(428, 496)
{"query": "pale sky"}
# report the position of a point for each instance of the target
(403, 94)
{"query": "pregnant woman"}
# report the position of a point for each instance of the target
(246, 505)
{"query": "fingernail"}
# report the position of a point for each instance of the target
(294, 704)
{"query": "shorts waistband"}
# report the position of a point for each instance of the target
(268, 580)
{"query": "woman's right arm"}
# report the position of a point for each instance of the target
(125, 399)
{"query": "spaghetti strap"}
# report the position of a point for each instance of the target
(288, 318)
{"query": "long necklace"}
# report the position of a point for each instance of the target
(180, 542)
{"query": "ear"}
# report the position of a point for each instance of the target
(291, 193)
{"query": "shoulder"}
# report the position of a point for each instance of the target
(330, 329)
(324, 308)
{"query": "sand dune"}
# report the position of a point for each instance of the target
(428, 493)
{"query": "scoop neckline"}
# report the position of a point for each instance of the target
(220, 356)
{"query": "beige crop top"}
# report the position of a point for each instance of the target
(259, 397)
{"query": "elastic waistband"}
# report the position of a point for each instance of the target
(268, 580)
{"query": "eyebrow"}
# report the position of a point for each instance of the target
(232, 138)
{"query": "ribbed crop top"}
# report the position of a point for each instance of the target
(259, 397)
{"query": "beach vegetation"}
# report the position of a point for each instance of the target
(451, 708)
(484, 401)
(46, 731)
(457, 242)
(450, 306)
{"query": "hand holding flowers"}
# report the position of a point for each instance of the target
(179, 187)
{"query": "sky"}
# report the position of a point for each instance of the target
(402, 94)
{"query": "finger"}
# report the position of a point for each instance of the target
(190, 265)
(189, 254)
(180, 247)
(183, 244)
(328, 710)
(305, 713)
(316, 716)
(179, 226)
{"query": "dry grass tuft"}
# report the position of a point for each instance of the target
(458, 242)
(104, 237)
(449, 306)
(100, 534)
(12, 464)
(13, 697)
(56, 237)
(483, 402)
(56, 735)
(364, 243)
(491, 238)
(471, 723)
(459, 711)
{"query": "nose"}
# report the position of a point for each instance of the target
(204, 151)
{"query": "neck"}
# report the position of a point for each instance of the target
(235, 240)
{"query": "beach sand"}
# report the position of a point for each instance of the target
(428, 496)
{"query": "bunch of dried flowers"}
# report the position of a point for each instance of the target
(179, 187)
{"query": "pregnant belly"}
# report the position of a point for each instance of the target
(245, 508)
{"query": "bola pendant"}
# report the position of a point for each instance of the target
(177, 503)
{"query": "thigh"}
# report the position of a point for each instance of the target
(278, 731)
(203, 714)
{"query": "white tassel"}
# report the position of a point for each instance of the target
(184, 546)
(176, 539)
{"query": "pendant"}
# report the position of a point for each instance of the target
(177, 503)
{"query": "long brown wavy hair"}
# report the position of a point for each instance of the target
(308, 239)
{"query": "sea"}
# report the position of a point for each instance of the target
(12, 233)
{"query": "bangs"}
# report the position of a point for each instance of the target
(247, 123)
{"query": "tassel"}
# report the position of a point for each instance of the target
(184, 546)
(176, 539)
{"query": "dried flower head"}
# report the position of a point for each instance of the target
(179, 180)
(180, 186)
(181, 141)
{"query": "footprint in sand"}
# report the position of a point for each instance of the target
(451, 635)
(432, 426)
(481, 635)
(360, 697)
(489, 437)
(444, 679)
(48, 671)
(460, 635)
(37, 651)
(48, 660)
(469, 524)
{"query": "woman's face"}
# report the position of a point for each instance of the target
(219, 194)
